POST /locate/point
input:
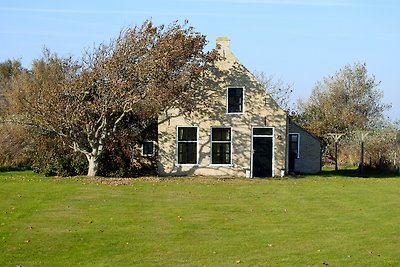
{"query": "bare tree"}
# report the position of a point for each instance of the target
(145, 70)
(278, 89)
(336, 138)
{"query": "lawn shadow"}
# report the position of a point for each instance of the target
(13, 168)
(368, 173)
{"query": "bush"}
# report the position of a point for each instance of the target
(14, 146)
(122, 157)
(52, 158)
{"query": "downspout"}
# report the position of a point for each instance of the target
(286, 143)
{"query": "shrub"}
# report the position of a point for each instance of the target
(52, 158)
(14, 145)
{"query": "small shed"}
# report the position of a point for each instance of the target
(304, 150)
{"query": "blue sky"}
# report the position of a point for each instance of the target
(298, 41)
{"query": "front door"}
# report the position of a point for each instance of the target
(262, 149)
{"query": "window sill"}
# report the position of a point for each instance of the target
(148, 155)
(187, 165)
(221, 165)
(234, 113)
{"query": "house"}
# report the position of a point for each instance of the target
(236, 129)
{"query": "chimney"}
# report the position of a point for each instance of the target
(223, 43)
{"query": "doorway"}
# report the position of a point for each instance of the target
(262, 152)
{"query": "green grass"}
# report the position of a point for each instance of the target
(304, 221)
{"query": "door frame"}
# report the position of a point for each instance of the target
(252, 148)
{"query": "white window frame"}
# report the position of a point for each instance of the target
(298, 144)
(154, 148)
(243, 100)
(227, 142)
(177, 146)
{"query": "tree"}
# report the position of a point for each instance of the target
(8, 69)
(13, 138)
(381, 146)
(278, 89)
(348, 101)
(142, 72)
(336, 137)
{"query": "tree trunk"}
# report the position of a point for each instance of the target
(93, 164)
(336, 156)
(362, 158)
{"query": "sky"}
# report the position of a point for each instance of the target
(297, 41)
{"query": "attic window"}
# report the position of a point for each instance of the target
(235, 99)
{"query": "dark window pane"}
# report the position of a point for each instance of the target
(187, 133)
(235, 100)
(181, 154)
(263, 131)
(293, 144)
(221, 146)
(191, 153)
(221, 134)
(187, 153)
(148, 148)
(187, 145)
(221, 153)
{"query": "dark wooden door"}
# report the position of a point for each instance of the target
(262, 156)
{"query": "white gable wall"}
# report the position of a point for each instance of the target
(211, 111)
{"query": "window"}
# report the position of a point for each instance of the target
(235, 100)
(294, 144)
(187, 145)
(148, 148)
(221, 141)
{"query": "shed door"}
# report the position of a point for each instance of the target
(262, 147)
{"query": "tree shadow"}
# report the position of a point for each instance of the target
(356, 173)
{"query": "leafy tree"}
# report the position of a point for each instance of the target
(8, 69)
(14, 145)
(142, 72)
(13, 138)
(348, 101)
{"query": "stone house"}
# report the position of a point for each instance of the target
(236, 129)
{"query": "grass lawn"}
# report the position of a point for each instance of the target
(304, 221)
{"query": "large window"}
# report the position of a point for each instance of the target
(221, 145)
(235, 99)
(187, 145)
(294, 145)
